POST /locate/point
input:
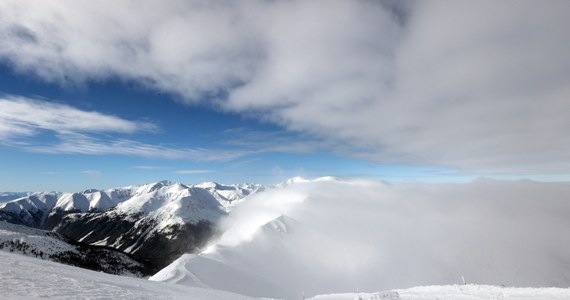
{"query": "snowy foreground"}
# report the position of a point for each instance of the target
(457, 292)
(25, 277)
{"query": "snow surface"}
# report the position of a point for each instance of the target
(31, 278)
(28, 278)
(35, 238)
(52, 246)
(330, 235)
(457, 292)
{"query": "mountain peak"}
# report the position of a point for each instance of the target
(293, 180)
(208, 185)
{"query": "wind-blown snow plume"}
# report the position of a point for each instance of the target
(258, 210)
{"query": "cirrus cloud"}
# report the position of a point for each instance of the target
(25, 116)
(77, 131)
(191, 172)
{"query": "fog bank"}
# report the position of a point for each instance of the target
(329, 235)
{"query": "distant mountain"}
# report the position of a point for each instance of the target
(7, 196)
(229, 195)
(155, 222)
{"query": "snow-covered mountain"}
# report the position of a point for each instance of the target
(31, 210)
(230, 195)
(7, 196)
(155, 222)
(37, 209)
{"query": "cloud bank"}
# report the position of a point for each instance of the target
(480, 86)
(331, 236)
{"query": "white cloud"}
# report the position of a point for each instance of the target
(272, 141)
(149, 168)
(92, 174)
(84, 144)
(75, 131)
(186, 172)
(23, 116)
(481, 86)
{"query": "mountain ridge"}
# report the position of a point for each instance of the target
(155, 222)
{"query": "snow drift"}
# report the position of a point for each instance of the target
(331, 236)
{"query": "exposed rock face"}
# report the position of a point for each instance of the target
(138, 237)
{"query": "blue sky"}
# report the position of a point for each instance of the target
(99, 95)
(179, 127)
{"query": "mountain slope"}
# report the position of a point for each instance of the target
(31, 210)
(244, 269)
(8, 196)
(52, 246)
(158, 223)
(28, 278)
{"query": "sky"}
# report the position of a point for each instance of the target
(113, 93)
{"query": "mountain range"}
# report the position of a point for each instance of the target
(154, 223)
